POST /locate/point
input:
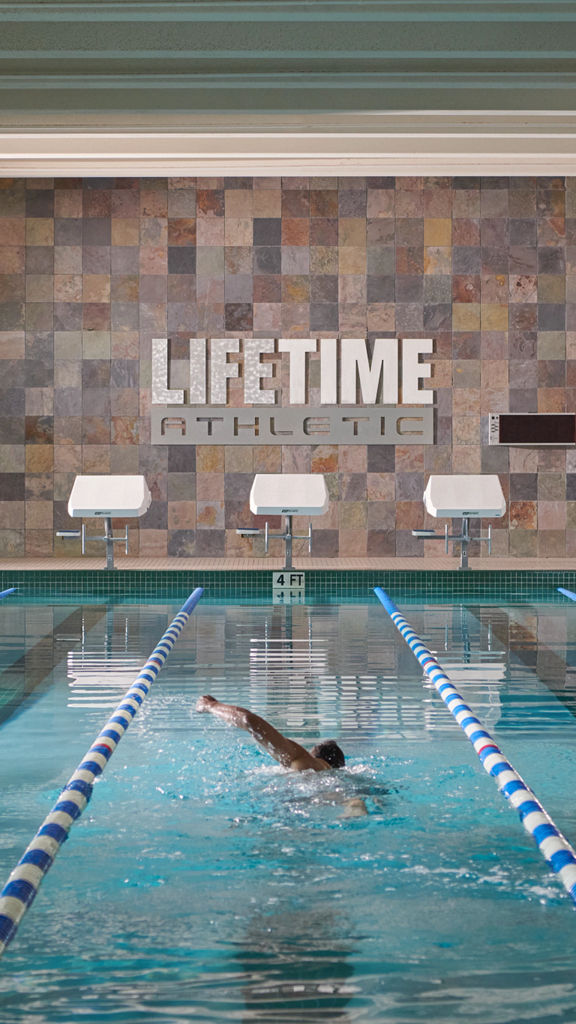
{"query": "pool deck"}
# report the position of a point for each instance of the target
(446, 564)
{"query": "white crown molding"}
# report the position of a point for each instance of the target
(442, 143)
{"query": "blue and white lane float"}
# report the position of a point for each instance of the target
(553, 846)
(25, 880)
(5, 593)
(567, 593)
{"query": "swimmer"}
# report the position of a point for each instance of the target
(323, 757)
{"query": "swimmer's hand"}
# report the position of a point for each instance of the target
(206, 703)
(355, 808)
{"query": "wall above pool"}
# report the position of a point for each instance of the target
(92, 270)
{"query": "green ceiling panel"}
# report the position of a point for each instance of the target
(271, 56)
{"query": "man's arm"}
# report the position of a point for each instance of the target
(287, 752)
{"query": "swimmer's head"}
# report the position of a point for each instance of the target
(329, 751)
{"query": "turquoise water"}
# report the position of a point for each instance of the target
(204, 883)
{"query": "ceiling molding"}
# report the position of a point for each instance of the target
(475, 143)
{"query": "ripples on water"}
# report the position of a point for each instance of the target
(204, 883)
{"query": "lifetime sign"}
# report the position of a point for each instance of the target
(364, 392)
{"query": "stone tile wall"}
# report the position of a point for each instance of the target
(91, 270)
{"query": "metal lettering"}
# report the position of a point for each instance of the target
(368, 378)
(414, 371)
(161, 393)
(297, 348)
(246, 426)
(328, 371)
(356, 365)
(208, 420)
(197, 371)
(255, 371)
(405, 431)
(355, 420)
(221, 369)
(313, 425)
(278, 433)
(173, 423)
(356, 425)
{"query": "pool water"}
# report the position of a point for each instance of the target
(205, 883)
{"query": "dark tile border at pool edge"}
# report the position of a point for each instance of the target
(321, 584)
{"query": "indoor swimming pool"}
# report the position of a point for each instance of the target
(205, 883)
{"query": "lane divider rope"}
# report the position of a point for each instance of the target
(553, 846)
(4, 593)
(26, 878)
(567, 593)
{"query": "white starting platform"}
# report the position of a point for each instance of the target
(107, 498)
(118, 497)
(466, 496)
(288, 495)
